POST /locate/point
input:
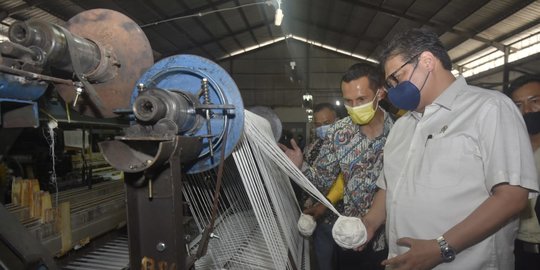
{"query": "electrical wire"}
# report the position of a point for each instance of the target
(201, 14)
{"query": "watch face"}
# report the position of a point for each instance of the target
(448, 254)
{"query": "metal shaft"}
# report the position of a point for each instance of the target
(51, 40)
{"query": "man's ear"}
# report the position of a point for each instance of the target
(427, 59)
(381, 93)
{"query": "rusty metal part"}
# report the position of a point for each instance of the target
(133, 55)
(50, 38)
(133, 155)
(33, 75)
(156, 225)
(16, 50)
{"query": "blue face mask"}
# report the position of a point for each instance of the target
(406, 95)
(321, 131)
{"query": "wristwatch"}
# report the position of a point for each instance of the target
(448, 254)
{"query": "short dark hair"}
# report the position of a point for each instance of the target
(359, 70)
(325, 105)
(413, 42)
(521, 81)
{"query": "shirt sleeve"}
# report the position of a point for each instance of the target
(505, 146)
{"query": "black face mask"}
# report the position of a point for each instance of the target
(532, 120)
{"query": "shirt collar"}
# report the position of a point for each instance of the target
(448, 96)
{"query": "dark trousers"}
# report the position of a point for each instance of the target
(324, 246)
(366, 260)
(527, 255)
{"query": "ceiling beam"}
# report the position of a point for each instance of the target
(348, 18)
(221, 38)
(512, 65)
(153, 7)
(500, 39)
(265, 18)
(423, 21)
(328, 18)
(226, 25)
(244, 18)
(496, 19)
(335, 30)
(63, 9)
(191, 11)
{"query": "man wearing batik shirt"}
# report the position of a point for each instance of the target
(324, 115)
(354, 146)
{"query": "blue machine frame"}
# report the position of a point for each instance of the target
(184, 73)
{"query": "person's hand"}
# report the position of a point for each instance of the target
(317, 210)
(294, 154)
(423, 254)
(308, 203)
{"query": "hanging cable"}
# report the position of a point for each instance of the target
(201, 14)
(50, 136)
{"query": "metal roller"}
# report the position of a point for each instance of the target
(187, 117)
(104, 49)
(184, 95)
(125, 54)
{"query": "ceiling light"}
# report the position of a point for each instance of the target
(338, 103)
(307, 101)
(278, 17)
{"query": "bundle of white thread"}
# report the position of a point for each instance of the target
(349, 232)
(306, 225)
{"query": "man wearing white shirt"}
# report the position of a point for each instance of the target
(458, 168)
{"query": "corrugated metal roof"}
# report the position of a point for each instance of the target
(347, 26)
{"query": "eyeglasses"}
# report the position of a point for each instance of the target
(391, 81)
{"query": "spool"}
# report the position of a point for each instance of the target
(112, 32)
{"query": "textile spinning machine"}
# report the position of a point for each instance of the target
(188, 116)
(92, 62)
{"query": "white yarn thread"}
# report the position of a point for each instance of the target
(306, 225)
(51, 140)
(273, 152)
(259, 215)
(349, 232)
(261, 205)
